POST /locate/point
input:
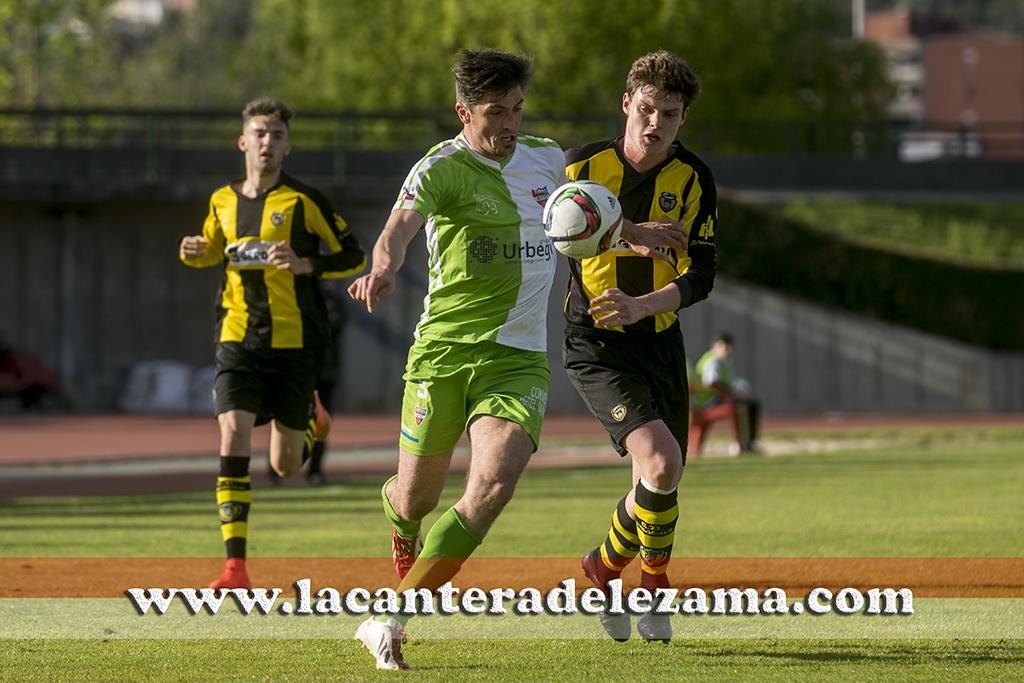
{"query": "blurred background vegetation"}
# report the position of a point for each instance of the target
(797, 59)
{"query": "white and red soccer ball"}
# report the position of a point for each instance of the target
(582, 219)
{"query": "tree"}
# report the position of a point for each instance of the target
(762, 63)
(54, 53)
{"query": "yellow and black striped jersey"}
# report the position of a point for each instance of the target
(680, 188)
(258, 305)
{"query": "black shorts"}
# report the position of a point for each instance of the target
(629, 383)
(272, 383)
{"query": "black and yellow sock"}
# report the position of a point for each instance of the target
(309, 438)
(316, 458)
(656, 516)
(234, 496)
(622, 543)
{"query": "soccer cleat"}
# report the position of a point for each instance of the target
(322, 423)
(653, 627)
(234, 575)
(618, 626)
(404, 552)
(384, 641)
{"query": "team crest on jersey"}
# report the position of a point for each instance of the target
(277, 218)
(667, 201)
(408, 195)
(486, 205)
(421, 414)
(541, 194)
(619, 413)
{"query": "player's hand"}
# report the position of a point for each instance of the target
(372, 287)
(193, 246)
(614, 308)
(283, 257)
(645, 238)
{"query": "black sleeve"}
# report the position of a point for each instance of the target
(697, 282)
(351, 258)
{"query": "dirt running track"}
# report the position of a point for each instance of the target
(48, 452)
(927, 577)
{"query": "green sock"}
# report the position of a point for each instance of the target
(447, 545)
(404, 527)
(450, 537)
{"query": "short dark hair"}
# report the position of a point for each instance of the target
(267, 106)
(725, 338)
(665, 72)
(487, 74)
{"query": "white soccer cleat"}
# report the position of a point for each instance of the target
(618, 626)
(384, 641)
(653, 626)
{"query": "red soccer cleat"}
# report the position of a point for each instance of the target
(595, 570)
(234, 575)
(323, 419)
(404, 552)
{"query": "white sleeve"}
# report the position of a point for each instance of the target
(712, 372)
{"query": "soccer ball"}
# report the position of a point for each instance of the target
(582, 219)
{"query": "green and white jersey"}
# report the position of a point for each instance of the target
(491, 265)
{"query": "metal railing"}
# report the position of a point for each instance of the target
(213, 129)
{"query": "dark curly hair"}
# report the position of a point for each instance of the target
(485, 74)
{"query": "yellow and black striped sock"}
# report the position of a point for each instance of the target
(656, 515)
(622, 543)
(234, 496)
(309, 438)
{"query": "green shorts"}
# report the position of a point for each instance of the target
(447, 384)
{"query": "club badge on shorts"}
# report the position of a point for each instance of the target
(421, 414)
(619, 413)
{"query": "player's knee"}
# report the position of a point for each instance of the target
(665, 470)
(494, 495)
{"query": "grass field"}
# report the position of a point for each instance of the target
(983, 233)
(930, 498)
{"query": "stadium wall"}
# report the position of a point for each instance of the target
(95, 289)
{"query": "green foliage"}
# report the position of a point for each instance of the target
(990, 234)
(973, 304)
(760, 61)
(55, 53)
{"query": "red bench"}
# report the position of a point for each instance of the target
(701, 419)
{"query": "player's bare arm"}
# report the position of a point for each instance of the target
(645, 238)
(283, 257)
(192, 247)
(614, 308)
(388, 257)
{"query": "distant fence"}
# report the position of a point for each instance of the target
(388, 130)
